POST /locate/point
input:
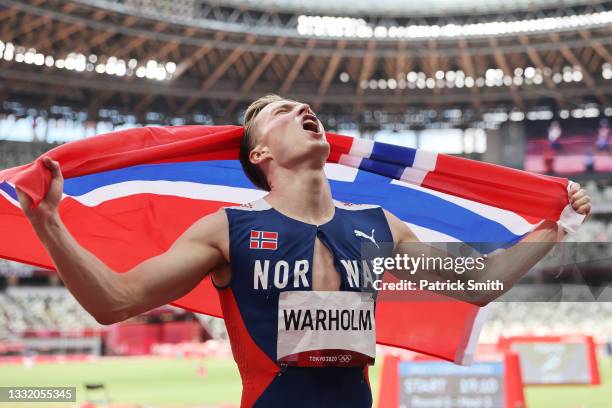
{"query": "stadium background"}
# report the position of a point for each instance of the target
(520, 83)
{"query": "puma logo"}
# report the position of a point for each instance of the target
(364, 235)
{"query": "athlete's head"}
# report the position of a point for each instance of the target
(280, 132)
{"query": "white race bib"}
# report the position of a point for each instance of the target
(324, 328)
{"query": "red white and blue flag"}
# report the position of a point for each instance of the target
(130, 194)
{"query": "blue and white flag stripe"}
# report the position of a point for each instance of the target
(464, 220)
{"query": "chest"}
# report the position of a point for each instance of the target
(325, 276)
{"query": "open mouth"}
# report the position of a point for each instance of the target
(310, 123)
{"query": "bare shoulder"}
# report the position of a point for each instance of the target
(393, 220)
(212, 229)
(211, 224)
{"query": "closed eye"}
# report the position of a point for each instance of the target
(283, 108)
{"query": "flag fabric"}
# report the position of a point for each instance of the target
(128, 195)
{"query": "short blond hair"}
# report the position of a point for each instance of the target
(254, 172)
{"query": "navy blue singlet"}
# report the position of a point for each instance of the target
(258, 234)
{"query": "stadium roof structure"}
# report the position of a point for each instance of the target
(185, 57)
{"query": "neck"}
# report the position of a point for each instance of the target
(303, 194)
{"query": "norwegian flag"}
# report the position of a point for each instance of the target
(263, 240)
(164, 179)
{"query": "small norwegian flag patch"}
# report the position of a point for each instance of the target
(263, 240)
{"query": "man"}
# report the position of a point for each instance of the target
(289, 252)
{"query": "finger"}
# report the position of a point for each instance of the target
(577, 195)
(579, 203)
(584, 209)
(53, 166)
(574, 187)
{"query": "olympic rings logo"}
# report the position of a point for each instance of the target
(345, 358)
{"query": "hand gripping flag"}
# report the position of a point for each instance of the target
(128, 195)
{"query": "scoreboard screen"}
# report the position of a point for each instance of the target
(425, 384)
(545, 360)
(553, 363)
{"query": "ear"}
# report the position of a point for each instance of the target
(259, 154)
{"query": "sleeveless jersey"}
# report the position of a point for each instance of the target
(271, 253)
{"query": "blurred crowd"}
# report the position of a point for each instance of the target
(550, 318)
(26, 310)
(32, 309)
(17, 153)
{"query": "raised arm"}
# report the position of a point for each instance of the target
(507, 266)
(109, 296)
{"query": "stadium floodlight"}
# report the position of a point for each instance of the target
(120, 70)
(324, 26)
(160, 73)
(591, 112)
(517, 116)
(29, 56)
(606, 71)
(9, 52)
(170, 67)
(577, 75)
(79, 62)
(537, 79)
(39, 59)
